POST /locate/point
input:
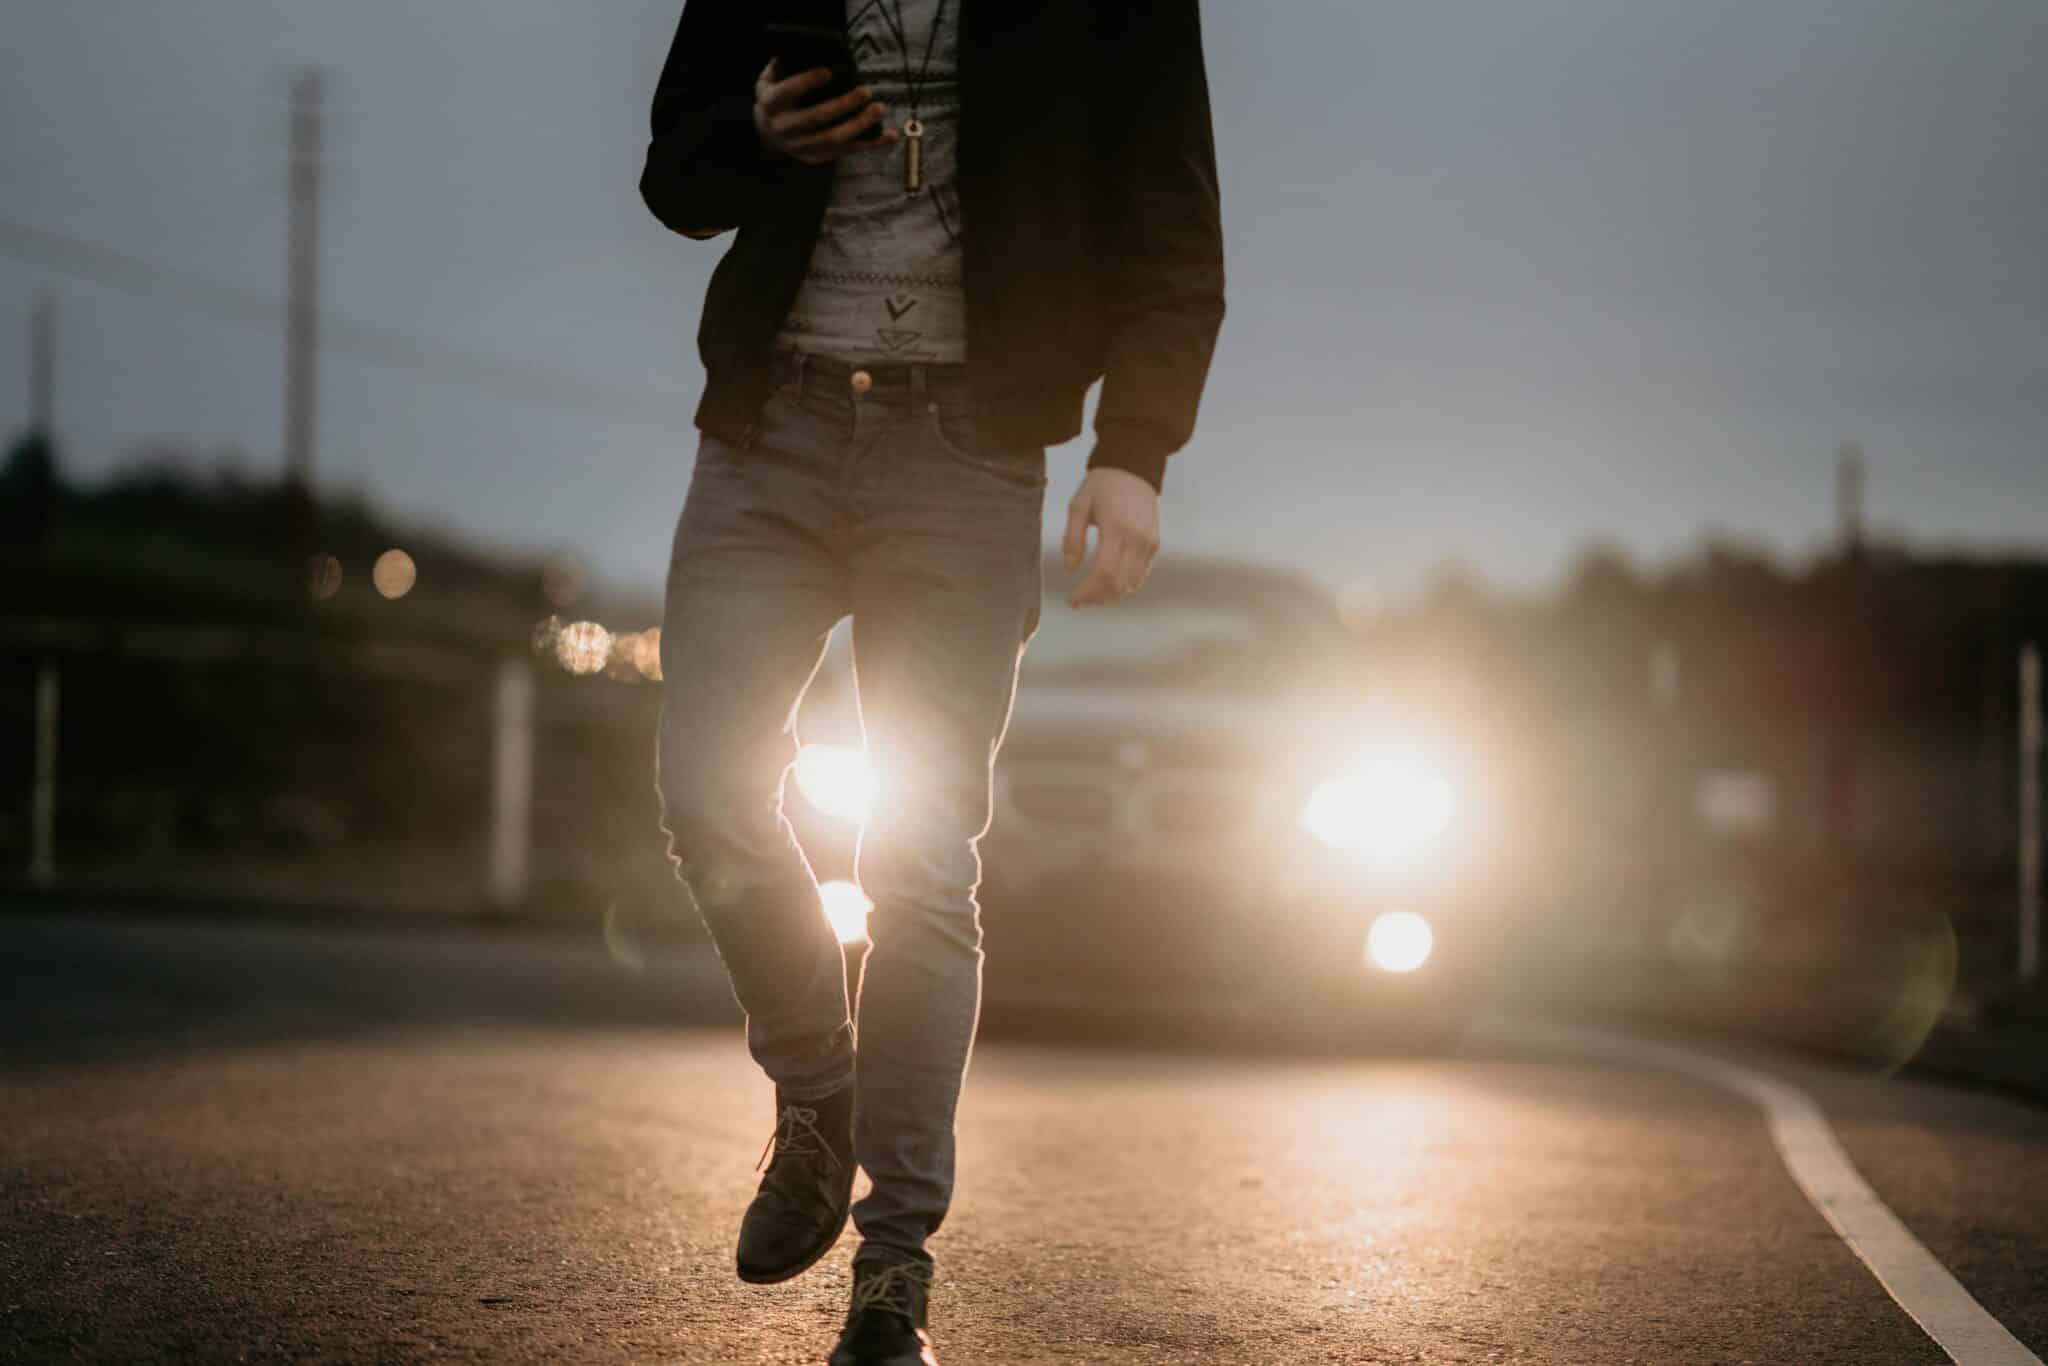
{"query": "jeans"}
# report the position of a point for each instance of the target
(885, 506)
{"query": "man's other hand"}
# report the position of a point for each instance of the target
(1124, 510)
(814, 134)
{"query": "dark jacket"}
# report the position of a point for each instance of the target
(1087, 178)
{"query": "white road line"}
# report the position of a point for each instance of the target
(1908, 1272)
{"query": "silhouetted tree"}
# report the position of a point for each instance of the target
(29, 490)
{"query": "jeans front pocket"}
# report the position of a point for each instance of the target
(956, 434)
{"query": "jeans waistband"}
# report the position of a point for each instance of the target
(825, 377)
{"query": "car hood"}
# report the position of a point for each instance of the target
(1146, 727)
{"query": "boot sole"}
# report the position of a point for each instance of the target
(777, 1278)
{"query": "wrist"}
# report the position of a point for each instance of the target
(1132, 448)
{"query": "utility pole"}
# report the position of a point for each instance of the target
(302, 283)
(2030, 814)
(30, 507)
(42, 362)
(1841, 727)
(42, 843)
(1849, 498)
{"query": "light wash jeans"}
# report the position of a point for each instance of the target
(884, 506)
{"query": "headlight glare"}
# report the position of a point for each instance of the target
(1399, 941)
(838, 780)
(846, 909)
(1387, 809)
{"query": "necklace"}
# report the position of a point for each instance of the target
(913, 128)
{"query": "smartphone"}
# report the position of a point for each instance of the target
(798, 48)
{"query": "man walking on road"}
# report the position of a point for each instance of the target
(904, 322)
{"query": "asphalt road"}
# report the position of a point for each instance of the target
(225, 1140)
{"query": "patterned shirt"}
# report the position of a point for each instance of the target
(884, 283)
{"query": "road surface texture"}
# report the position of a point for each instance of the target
(238, 1140)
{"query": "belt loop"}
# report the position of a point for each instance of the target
(919, 386)
(796, 371)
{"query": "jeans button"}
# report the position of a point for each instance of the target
(861, 381)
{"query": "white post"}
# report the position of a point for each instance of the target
(1664, 674)
(42, 858)
(511, 783)
(2030, 813)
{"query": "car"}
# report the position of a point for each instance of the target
(1207, 811)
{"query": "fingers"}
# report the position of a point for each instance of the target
(841, 138)
(1136, 566)
(775, 95)
(814, 133)
(808, 118)
(1096, 589)
(1075, 543)
(1122, 563)
(1124, 514)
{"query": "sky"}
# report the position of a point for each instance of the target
(1505, 277)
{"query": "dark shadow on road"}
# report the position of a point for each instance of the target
(121, 987)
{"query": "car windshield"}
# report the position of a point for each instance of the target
(1244, 637)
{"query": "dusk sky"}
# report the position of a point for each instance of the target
(1503, 277)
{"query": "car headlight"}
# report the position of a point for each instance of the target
(1389, 810)
(1399, 941)
(838, 780)
(846, 909)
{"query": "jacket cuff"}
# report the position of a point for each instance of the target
(1132, 446)
(732, 128)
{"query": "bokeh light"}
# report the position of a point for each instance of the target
(838, 780)
(547, 637)
(394, 574)
(1399, 941)
(619, 942)
(846, 907)
(582, 647)
(1391, 809)
(647, 653)
(1717, 930)
(323, 577)
(1922, 972)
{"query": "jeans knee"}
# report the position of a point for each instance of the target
(923, 891)
(724, 834)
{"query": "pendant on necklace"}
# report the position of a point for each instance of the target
(913, 156)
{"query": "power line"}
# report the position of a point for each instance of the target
(531, 384)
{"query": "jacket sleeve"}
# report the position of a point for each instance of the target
(706, 171)
(1163, 276)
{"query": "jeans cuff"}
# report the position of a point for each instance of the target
(871, 1251)
(812, 1088)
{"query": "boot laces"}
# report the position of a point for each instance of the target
(897, 1287)
(796, 1131)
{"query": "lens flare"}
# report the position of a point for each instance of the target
(838, 780)
(846, 908)
(394, 574)
(547, 637)
(1399, 941)
(583, 647)
(647, 653)
(1389, 809)
(323, 577)
(619, 941)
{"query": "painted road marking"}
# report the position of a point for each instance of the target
(1908, 1272)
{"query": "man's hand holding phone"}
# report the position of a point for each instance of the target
(815, 134)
